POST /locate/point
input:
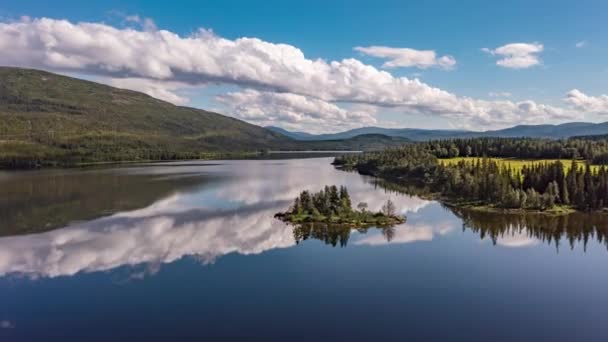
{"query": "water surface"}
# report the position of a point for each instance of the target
(192, 250)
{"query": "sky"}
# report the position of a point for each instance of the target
(328, 66)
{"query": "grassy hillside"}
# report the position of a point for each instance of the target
(51, 119)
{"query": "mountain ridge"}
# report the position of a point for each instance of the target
(550, 131)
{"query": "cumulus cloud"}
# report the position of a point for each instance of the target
(406, 57)
(587, 103)
(164, 90)
(279, 75)
(293, 110)
(517, 55)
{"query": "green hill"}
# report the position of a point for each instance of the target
(46, 118)
(364, 142)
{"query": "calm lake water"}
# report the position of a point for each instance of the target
(191, 250)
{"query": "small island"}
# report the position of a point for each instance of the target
(333, 206)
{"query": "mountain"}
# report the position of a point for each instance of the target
(51, 108)
(49, 119)
(565, 130)
(408, 133)
(292, 134)
(364, 142)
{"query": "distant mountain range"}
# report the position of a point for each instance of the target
(531, 131)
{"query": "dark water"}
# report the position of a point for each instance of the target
(191, 251)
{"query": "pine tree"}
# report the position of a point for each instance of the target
(334, 200)
(345, 198)
(306, 202)
(565, 195)
(389, 208)
(296, 208)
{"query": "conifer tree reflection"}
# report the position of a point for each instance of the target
(334, 234)
(576, 228)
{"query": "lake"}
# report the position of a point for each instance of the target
(191, 251)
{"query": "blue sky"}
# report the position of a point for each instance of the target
(331, 30)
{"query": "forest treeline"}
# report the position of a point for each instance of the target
(595, 149)
(484, 181)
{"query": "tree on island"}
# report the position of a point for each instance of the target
(327, 202)
(389, 208)
(334, 205)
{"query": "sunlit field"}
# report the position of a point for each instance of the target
(518, 164)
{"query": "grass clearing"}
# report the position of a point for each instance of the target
(517, 164)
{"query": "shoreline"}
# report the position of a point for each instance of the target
(384, 221)
(51, 164)
(47, 165)
(557, 210)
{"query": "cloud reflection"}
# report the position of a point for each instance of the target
(118, 240)
(233, 217)
(517, 240)
(407, 233)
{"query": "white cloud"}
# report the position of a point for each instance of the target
(406, 57)
(581, 44)
(164, 90)
(312, 114)
(306, 88)
(517, 55)
(587, 103)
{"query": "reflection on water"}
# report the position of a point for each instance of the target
(518, 230)
(223, 265)
(36, 201)
(512, 229)
(335, 234)
(232, 212)
(208, 210)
